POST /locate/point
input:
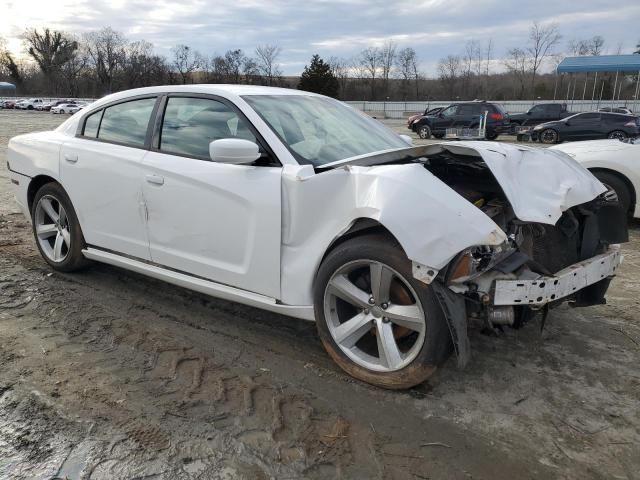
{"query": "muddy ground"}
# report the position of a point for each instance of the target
(106, 374)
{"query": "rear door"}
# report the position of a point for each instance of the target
(101, 169)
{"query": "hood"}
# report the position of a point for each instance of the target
(539, 183)
(590, 146)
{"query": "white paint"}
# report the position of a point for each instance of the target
(256, 234)
(621, 157)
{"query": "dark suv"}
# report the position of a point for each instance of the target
(464, 114)
(543, 112)
(588, 126)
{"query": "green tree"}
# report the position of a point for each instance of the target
(318, 78)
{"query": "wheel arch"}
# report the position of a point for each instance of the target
(359, 227)
(622, 177)
(35, 184)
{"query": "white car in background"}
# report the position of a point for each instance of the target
(67, 108)
(615, 163)
(29, 104)
(296, 203)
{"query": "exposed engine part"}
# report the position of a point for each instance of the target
(504, 315)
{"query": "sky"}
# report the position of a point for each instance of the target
(434, 28)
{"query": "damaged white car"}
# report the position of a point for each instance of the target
(298, 204)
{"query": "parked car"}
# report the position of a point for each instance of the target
(615, 164)
(465, 114)
(543, 112)
(624, 110)
(66, 108)
(388, 247)
(428, 111)
(9, 104)
(29, 104)
(587, 126)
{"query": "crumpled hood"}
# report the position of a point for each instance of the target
(539, 183)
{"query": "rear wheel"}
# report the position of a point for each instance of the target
(424, 132)
(618, 185)
(617, 134)
(491, 136)
(549, 136)
(375, 320)
(56, 229)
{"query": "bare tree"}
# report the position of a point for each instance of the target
(542, 41)
(106, 51)
(74, 70)
(450, 69)
(266, 58)
(50, 50)
(341, 69)
(407, 65)
(370, 62)
(518, 64)
(387, 61)
(185, 61)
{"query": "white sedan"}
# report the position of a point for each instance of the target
(67, 108)
(615, 163)
(298, 204)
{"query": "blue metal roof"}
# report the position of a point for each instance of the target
(7, 86)
(602, 63)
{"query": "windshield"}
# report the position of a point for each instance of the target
(320, 130)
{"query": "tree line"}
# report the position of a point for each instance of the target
(105, 61)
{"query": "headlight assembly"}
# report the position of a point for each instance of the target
(474, 261)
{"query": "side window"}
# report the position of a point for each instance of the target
(91, 124)
(127, 122)
(450, 112)
(587, 117)
(465, 110)
(190, 124)
(538, 109)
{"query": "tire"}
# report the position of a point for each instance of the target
(617, 134)
(62, 111)
(548, 136)
(424, 132)
(423, 346)
(30, 107)
(49, 230)
(619, 186)
(492, 136)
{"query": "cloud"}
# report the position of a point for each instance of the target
(435, 28)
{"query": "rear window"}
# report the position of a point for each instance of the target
(127, 122)
(498, 108)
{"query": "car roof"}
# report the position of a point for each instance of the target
(212, 89)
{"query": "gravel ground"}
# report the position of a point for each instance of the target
(106, 375)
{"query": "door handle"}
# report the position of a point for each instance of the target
(70, 157)
(155, 179)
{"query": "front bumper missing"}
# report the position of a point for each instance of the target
(566, 282)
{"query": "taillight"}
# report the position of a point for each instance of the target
(496, 116)
(632, 123)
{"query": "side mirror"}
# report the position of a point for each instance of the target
(235, 151)
(407, 139)
(528, 113)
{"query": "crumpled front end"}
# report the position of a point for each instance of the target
(560, 247)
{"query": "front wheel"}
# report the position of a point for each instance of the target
(549, 136)
(424, 132)
(375, 320)
(56, 229)
(616, 184)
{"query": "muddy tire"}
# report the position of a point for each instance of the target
(548, 136)
(395, 341)
(56, 229)
(424, 132)
(619, 186)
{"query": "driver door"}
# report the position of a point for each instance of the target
(213, 220)
(445, 119)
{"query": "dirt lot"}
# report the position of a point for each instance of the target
(107, 374)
